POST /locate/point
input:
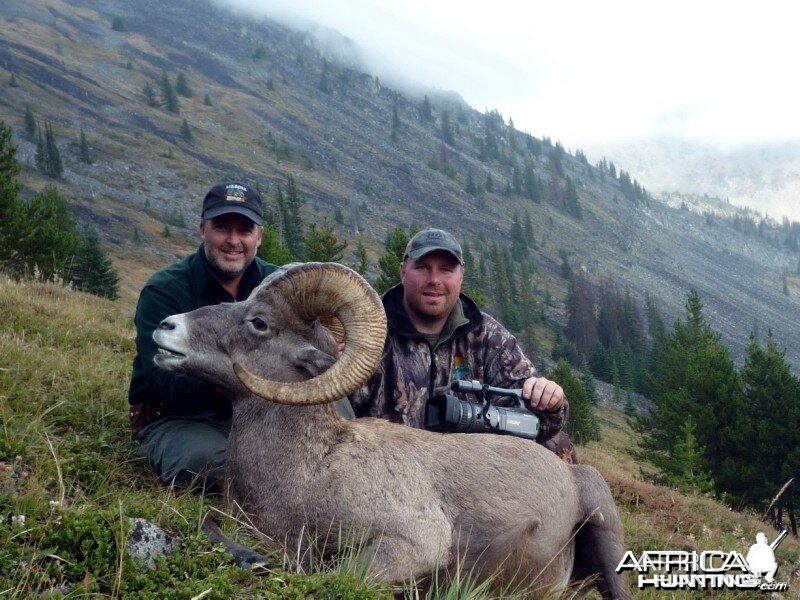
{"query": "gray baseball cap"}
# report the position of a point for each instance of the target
(431, 239)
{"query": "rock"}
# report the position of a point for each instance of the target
(148, 541)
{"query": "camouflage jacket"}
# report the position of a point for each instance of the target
(412, 370)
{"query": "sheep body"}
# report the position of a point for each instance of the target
(427, 502)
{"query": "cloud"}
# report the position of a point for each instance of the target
(584, 71)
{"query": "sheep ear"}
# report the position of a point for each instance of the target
(335, 326)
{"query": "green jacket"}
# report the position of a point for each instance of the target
(179, 288)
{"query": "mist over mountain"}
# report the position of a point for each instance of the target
(763, 176)
(269, 101)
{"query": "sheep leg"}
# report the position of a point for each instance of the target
(396, 560)
(243, 556)
(515, 560)
(598, 542)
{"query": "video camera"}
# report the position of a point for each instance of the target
(449, 413)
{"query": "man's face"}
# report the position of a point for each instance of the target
(431, 285)
(230, 243)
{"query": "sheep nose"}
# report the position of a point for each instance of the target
(167, 324)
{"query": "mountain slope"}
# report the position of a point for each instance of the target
(281, 103)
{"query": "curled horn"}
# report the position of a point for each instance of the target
(331, 292)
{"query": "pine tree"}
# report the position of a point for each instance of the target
(687, 470)
(84, 149)
(289, 206)
(694, 375)
(272, 249)
(322, 243)
(92, 270)
(425, 111)
(583, 425)
(117, 24)
(30, 122)
(150, 95)
(580, 330)
(166, 232)
(389, 262)
(48, 158)
(395, 124)
(207, 100)
(766, 428)
(46, 239)
(363, 262)
(489, 185)
(447, 129)
(10, 206)
(186, 132)
(519, 244)
(470, 187)
(182, 87)
(168, 95)
(12, 81)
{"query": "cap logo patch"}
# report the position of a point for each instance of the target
(235, 193)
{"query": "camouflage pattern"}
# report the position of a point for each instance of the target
(412, 371)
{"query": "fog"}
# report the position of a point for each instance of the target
(583, 72)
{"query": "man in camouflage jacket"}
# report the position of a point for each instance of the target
(437, 335)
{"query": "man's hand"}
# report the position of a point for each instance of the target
(542, 394)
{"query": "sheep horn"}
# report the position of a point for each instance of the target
(329, 290)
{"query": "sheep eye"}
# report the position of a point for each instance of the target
(259, 324)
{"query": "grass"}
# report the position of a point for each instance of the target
(68, 466)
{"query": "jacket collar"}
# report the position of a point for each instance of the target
(402, 326)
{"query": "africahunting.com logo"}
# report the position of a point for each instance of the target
(708, 570)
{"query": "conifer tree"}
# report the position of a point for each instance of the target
(470, 186)
(30, 122)
(46, 240)
(92, 270)
(10, 206)
(687, 471)
(580, 330)
(447, 129)
(12, 81)
(182, 87)
(186, 132)
(322, 243)
(519, 244)
(389, 262)
(272, 249)
(582, 425)
(55, 166)
(168, 95)
(766, 428)
(84, 149)
(207, 100)
(362, 266)
(395, 124)
(489, 185)
(426, 112)
(694, 376)
(150, 95)
(289, 206)
(166, 231)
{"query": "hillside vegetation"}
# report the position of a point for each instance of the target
(271, 102)
(67, 466)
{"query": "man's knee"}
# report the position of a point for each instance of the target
(184, 451)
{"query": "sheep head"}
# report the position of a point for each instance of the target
(274, 344)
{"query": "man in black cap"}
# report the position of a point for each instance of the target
(182, 422)
(437, 335)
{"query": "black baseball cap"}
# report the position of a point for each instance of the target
(432, 239)
(237, 198)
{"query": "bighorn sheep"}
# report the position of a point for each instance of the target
(489, 503)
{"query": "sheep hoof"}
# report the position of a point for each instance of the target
(249, 560)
